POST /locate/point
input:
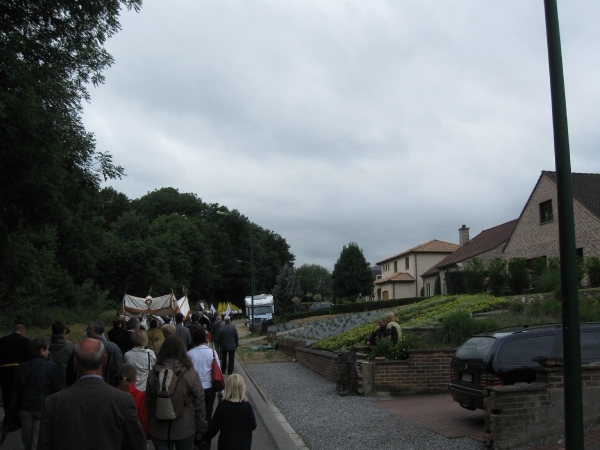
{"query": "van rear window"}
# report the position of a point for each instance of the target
(590, 345)
(526, 349)
(475, 348)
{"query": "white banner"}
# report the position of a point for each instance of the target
(184, 307)
(158, 306)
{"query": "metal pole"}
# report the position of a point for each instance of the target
(566, 230)
(251, 275)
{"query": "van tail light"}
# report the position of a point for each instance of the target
(452, 376)
(489, 379)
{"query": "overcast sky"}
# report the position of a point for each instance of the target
(386, 123)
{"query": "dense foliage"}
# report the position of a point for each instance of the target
(286, 290)
(64, 241)
(592, 269)
(352, 277)
(427, 312)
(315, 280)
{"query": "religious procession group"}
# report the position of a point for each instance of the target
(120, 388)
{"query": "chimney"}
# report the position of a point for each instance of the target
(463, 235)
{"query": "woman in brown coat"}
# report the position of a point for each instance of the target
(183, 429)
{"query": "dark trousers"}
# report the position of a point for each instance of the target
(225, 367)
(7, 377)
(209, 403)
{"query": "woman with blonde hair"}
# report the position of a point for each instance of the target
(140, 357)
(234, 418)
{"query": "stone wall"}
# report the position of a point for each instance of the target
(289, 346)
(523, 412)
(424, 372)
(320, 361)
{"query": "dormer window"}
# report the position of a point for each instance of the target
(546, 211)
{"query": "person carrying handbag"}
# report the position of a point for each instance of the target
(202, 358)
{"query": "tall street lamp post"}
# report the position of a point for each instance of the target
(566, 230)
(251, 315)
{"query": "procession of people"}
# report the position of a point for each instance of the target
(101, 393)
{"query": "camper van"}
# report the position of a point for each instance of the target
(263, 307)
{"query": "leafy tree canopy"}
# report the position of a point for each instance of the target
(351, 275)
(314, 279)
(286, 288)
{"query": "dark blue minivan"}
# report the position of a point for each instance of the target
(505, 357)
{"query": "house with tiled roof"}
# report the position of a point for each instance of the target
(486, 246)
(401, 273)
(536, 233)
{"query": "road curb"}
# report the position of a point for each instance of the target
(283, 434)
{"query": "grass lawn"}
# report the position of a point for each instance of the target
(255, 357)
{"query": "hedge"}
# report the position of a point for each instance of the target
(370, 306)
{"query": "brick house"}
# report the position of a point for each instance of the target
(486, 246)
(536, 233)
(401, 273)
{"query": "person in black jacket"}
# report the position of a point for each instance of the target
(378, 334)
(234, 418)
(35, 380)
(228, 341)
(13, 351)
(60, 350)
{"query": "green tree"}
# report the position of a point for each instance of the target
(519, 275)
(166, 201)
(351, 275)
(50, 172)
(286, 288)
(474, 278)
(498, 276)
(314, 279)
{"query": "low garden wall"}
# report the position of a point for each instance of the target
(424, 372)
(320, 361)
(289, 346)
(522, 413)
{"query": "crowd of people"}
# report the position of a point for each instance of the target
(138, 385)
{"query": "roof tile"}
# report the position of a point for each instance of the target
(485, 241)
(433, 246)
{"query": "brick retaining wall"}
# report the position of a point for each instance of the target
(523, 412)
(320, 361)
(289, 346)
(424, 372)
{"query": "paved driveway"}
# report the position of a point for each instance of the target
(438, 413)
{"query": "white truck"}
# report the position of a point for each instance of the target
(263, 307)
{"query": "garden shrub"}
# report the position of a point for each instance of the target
(474, 277)
(455, 283)
(516, 307)
(498, 276)
(548, 279)
(592, 269)
(549, 307)
(412, 340)
(589, 310)
(392, 352)
(370, 306)
(459, 326)
(518, 275)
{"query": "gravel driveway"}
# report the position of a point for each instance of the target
(327, 421)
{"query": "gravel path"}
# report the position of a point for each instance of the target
(327, 421)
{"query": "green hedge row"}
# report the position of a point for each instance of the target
(370, 306)
(323, 312)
